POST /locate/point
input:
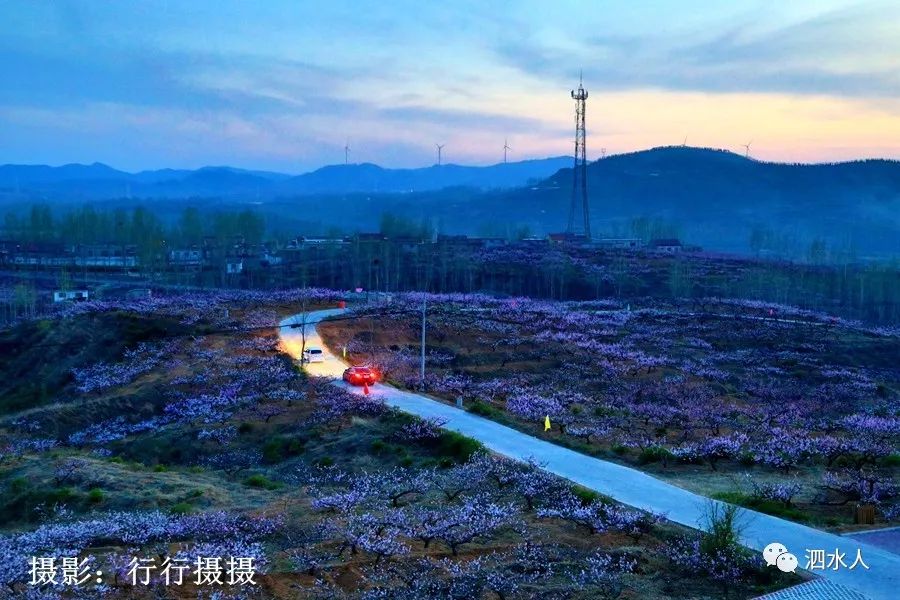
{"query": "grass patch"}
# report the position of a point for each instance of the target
(182, 508)
(770, 507)
(484, 409)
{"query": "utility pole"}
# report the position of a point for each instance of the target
(422, 366)
(303, 319)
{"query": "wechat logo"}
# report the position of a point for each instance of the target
(776, 554)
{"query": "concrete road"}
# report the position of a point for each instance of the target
(888, 538)
(629, 486)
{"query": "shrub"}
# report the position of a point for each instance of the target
(182, 508)
(281, 448)
(245, 428)
(95, 496)
(746, 459)
(723, 530)
(892, 460)
(457, 446)
(19, 484)
(603, 411)
(260, 482)
(58, 496)
(654, 454)
(585, 495)
(272, 451)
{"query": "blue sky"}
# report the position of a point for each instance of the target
(284, 85)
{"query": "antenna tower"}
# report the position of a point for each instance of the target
(579, 173)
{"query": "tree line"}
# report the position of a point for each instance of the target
(136, 226)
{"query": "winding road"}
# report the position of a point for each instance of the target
(629, 486)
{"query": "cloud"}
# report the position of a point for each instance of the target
(247, 83)
(451, 118)
(284, 84)
(847, 52)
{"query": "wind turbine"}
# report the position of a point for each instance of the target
(505, 149)
(439, 148)
(747, 148)
(602, 152)
(347, 152)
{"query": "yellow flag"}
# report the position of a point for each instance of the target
(547, 423)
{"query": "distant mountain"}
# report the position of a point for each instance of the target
(99, 181)
(42, 175)
(714, 198)
(208, 181)
(370, 178)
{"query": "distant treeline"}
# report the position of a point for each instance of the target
(145, 228)
(136, 226)
(868, 291)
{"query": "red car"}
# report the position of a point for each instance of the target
(361, 375)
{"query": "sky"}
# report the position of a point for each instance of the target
(286, 85)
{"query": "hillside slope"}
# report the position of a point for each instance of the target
(719, 199)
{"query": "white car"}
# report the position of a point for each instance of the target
(312, 355)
